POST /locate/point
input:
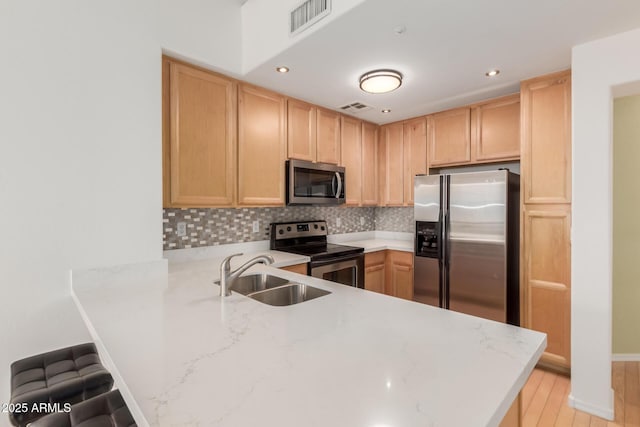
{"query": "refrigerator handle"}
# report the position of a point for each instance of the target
(446, 238)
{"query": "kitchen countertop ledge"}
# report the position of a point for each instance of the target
(182, 355)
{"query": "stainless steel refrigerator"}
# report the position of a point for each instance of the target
(467, 243)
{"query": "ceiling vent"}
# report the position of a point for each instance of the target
(355, 108)
(307, 14)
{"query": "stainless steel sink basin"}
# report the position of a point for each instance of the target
(289, 294)
(251, 283)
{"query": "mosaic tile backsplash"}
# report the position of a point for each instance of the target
(211, 227)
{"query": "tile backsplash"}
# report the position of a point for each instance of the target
(211, 227)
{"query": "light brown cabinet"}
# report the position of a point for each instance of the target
(261, 147)
(415, 154)
(495, 130)
(481, 133)
(199, 137)
(301, 130)
(374, 271)
(392, 165)
(327, 136)
(369, 164)
(449, 136)
(399, 274)
(313, 133)
(546, 214)
(351, 147)
(296, 268)
(389, 272)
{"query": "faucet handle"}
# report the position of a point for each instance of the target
(226, 263)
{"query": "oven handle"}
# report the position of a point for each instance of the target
(323, 262)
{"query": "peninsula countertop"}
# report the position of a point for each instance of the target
(182, 355)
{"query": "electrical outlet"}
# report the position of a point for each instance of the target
(338, 222)
(256, 226)
(361, 220)
(182, 229)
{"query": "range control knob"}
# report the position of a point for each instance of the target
(315, 226)
(322, 228)
(281, 231)
(288, 228)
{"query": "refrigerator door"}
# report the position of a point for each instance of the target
(426, 281)
(426, 195)
(476, 251)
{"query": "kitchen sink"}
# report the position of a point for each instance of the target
(289, 294)
(251, 283)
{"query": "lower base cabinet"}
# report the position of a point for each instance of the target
(389, 272)
(513, 417)
(297, 268)
(374, 271)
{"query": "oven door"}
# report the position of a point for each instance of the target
(348, 270)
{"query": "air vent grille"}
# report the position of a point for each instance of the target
(307, 14)
(355, 108)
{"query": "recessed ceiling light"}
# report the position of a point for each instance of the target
(282, 69)
(380, 81)
(386, 110)
(492, 73)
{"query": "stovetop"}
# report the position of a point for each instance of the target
(308, 238)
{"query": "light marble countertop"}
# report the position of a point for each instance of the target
(183, 356)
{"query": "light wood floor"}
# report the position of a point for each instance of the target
(544, 400)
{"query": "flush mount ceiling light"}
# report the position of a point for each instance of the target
(386, 110)
(380, 81)
(282, 69)
(492, 73)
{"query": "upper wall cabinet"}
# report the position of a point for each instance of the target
(351, 144)
(391, 158)
(327, 136)
(313, 133)
(450, 137)
(415, 154)
(481, 133)
(261, 147)
(301, 130)
(199, 137)
(546, 139)
(495, 133)
(369, 164)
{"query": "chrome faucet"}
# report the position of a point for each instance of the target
(227, 276)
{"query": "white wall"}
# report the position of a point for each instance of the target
(265, 28)
(598, 68)
(204, 32)
(80, 159)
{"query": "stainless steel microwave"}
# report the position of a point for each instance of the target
(314, 183)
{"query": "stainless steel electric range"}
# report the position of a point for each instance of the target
(329, 261)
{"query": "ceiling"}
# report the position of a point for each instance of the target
(443, 53)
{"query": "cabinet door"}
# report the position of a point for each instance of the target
(374, 271)
(546, 139)
(301, 134)
(261, 147)
(328, 136)
(399, 274)
(297, 268)
(200, 139)
(496, 129)
(394, 165)
(351, 146)
(369, 164)
(415, 154)
(450, 137)
(547, 277)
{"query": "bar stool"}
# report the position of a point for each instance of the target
(105, 410)
(43, 383)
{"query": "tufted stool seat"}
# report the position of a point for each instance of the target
(44, 383)
(106, 410)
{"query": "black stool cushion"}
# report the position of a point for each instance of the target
(68, 375)
(106, 410)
